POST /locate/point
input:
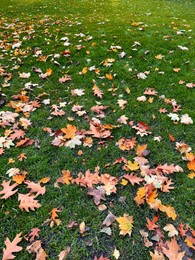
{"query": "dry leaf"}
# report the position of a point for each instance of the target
(125, 224)
(11, 247)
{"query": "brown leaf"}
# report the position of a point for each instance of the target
(11, 247)
(37, 249)
(109, 219)
(98, 194)
(171, 250)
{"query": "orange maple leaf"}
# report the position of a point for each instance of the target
(69, 131)
(64, 179)
(11, 247)
(191, 165)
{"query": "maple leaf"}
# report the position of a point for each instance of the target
(125, 224)
(141, 150)
(69, 131)
(191, 165)
(171, 250)
(133, 178)
(8, 189)
(140, 195)
(151, 225)
(35, 188)
(11, 247)
(98, 194)
(97, 91)
(37, 249)
(64, 179)
(28, 202)
(19, 178)
(131, 166)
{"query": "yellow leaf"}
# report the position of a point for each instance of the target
(125, 224)
(116, 253)
(124, 182)
(127, 90)
(109, 76)
(150, 100)
(159, 56)
(84, 70)
(49, 72)
(135, 24)
(191, 175)
(132, 166)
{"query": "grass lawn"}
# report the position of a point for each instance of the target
(97, 97)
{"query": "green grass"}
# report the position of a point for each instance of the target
(110, 24)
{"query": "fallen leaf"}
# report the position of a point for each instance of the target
(125, 224)
(12, 247)
(171, 250)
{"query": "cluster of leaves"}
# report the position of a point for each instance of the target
(16, 120)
